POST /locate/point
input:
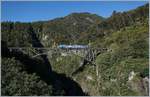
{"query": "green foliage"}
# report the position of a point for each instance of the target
(65, 64)
(133, 41)
(127, 52)
(125, 35)
(16, 35)
(71, 28)
(120, 20)
(145, 72)
(16, 81)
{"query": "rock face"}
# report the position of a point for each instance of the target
(131, 75)
(139, 85)
(146, 85)
(45, 37)
(89, 77)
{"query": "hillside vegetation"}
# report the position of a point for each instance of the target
(122, 70)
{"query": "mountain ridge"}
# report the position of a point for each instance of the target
(122, 69)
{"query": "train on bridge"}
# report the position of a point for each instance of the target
(73, 46)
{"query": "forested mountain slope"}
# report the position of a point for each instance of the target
(121, 70)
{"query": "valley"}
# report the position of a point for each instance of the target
(81, 54)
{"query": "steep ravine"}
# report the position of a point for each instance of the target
(43, 69)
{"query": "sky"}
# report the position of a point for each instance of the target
(29, 11)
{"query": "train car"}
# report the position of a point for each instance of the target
(73, 46)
